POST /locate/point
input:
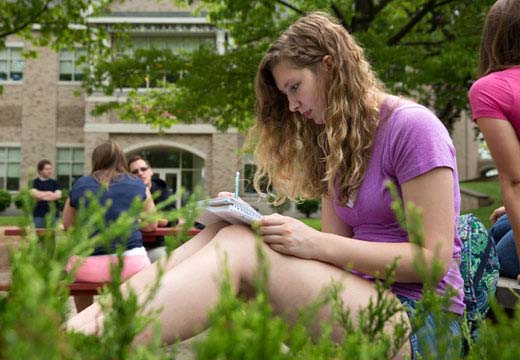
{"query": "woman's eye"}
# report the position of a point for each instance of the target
(294, 88)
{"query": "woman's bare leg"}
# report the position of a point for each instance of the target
(139, 281)
(176, 257)
(191, 288)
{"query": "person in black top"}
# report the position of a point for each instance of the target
(159, 189)
(45, 191)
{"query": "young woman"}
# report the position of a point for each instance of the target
(325, 127)
(110, 171)
(495, 103)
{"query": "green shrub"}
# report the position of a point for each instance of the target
(33, 313)
(5, 200)
(17, 199)
(63, 199)
(280, 208)
(308, 207)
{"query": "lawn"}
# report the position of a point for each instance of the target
(8, 220)
(312, 222)
(491, 188)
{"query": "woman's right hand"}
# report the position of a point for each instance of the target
(498, 212)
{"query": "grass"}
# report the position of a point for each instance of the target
(10, 220)
(312, 222)
(491, 188)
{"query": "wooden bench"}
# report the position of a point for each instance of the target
(87, 288)
(506, 290)
(76, 288)
(148, 236)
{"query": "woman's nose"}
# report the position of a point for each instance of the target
(293, 104)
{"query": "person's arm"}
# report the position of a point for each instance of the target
(504, 145)
(432, 192)
(149, 207)
(69, 214)
(45, 195)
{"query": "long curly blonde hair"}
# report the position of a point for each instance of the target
(299, 158)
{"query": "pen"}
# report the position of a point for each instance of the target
(237, 183)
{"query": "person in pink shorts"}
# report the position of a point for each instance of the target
(109, 169)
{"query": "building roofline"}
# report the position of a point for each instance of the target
(148, 18)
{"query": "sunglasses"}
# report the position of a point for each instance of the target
(141, 169)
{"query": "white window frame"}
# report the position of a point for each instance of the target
(6, 163)
(71, 162)
(9, 59)
(76, 69)
(129, 51)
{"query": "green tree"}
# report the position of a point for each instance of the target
(426, 49)
(56, 24)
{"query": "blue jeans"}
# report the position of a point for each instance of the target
(423, 341)
(39, 222)
(502, 235)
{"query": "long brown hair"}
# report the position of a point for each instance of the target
(298, 157)
(108, 162)
(500, 44)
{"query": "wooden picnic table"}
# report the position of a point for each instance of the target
(147, 235)
(84, 288)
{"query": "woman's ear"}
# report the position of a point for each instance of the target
(327, 61)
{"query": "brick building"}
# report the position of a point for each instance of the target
(40, 117)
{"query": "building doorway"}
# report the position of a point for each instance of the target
(172, 178)
(179, 168)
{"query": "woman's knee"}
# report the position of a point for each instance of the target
(239, 244)
(239, 239)
(215, 227)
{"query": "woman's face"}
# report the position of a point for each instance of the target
(301, 86)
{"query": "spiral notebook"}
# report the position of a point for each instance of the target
(229, 209)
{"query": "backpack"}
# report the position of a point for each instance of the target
(479, 268)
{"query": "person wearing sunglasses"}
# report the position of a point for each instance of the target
(141, 168)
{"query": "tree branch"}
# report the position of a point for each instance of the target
(365, 12)
(339, 15)
(28, 22)
(427, 7)
(423, 43)
(292, 7)
(381, 6)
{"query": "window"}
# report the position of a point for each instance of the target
(11, 64)
(162, 68)
(172, 43)
(69, 165)
(70, 67)
(249, 176)
(10, 168)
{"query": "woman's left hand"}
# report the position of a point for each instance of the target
(289, 236)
